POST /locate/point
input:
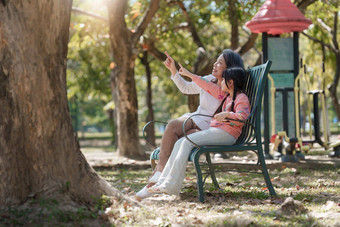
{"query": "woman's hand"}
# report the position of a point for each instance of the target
(221, 116)
(170, 64)
(184, 72)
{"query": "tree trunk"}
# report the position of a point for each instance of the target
(125, 97)
(39, 154)
(233, 19)
(124, 51)
(150, 131)
(202, 66)
(123, 86)
(333, 87)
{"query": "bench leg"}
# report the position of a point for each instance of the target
(266, 174)
(199, 178)
(153, 157)
(212, 171)
(153, 164)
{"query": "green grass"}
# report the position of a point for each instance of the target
(95, 135)
(242, 201)
(245, 193)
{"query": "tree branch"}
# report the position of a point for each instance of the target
(148, 15)
(248, 45)
(318, 41)
(181, 26)
(97, 16)
(325, 26)
(334, 40)
(303, 4)
(192, 28)
(155, 52)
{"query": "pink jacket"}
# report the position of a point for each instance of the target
(241, 107)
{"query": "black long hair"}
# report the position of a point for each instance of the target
(232, 59)
(238, 75)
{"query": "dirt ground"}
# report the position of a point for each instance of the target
(220, 209)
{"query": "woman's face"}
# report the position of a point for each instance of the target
(219, 66)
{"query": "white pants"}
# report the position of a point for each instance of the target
(173, 174)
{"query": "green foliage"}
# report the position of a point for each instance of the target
(88, 75)
(88, 71)
(102, 203)
(322, 15)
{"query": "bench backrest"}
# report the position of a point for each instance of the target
(256, 80)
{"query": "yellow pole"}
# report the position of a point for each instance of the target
(310, 116)
(272, 103)
(297, 109)
(324, 119)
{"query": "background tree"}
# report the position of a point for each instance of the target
(39, 154)
(193, 32)
(325, 35)
(123, 44)
(88, 68)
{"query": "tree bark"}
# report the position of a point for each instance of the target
(193, 100)
(150, 131)
(39, 154)
(233, 19)
(333, 87)
(124, 51)
(303, 4)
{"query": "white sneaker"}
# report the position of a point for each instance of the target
(156, 189)
(155, 177)
(142, 194)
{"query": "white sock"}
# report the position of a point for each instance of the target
(155, 177)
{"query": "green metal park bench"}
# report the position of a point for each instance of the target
(249, 140)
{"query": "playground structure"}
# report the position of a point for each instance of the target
(297, 144)
(274, 18)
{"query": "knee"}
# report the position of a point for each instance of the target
(174, 126)
(187, 144)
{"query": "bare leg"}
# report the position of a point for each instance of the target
(172, 133)
(165, 157)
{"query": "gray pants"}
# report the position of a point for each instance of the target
(173, 174)
(173, 132)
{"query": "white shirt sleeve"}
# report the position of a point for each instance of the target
(184, 86)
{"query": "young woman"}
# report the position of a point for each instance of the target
(235, 105)
(208, 105)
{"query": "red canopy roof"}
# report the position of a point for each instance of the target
(277, 17)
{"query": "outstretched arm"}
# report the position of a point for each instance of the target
(208, 86)
(170, 64)
(189, 88)
(184, 72)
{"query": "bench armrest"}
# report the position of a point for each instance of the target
(146, 126)
(183, 127)
(204, 115)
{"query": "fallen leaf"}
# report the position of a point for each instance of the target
(126, 189)
(276, 178)
(198, 222)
